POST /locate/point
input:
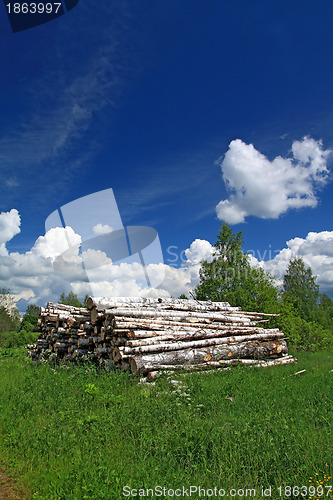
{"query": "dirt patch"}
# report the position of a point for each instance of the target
(8, 489)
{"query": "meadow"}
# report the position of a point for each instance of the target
(78, 432)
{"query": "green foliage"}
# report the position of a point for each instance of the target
(221, 279)
(323, 314)
(183, 296)
(305, 316)
(81, 433)
(17, 334)
(85, 300)
(32, 310)
(302, 334)
(28, 323)
(231, 278)
(6, 300)
(300, 287)
(71, 299)
(7, 321)
(14, 339)
(9, 316)
(256, 292)
(30, 318)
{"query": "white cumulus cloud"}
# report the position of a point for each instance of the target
(267, 189)
(54, 265)
(102, 229)
(56, 241)
(316, 249)
(51, 267)
(10, 223)
(199, 250)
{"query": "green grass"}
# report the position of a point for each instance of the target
(79, 433)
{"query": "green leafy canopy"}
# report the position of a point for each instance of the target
(230, 277)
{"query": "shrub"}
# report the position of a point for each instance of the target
(12, 339)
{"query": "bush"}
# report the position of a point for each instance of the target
(316, 337)
(8, 321)
(303, 335)
(28, 323)
(9, 340)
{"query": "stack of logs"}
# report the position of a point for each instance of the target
(148, 335)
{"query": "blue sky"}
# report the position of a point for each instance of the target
(155, 100)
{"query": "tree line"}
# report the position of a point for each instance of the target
(15, 332)
(305, 314)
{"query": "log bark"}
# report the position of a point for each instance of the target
(186, 336)
(125, 366)
(109, 364)
(148, 324)
(194, 317)
(218, 366)
(96, 316)
(103, 350)
(63, 307)
(252, 350)
(117, 356)
(84, 342)
(78, 353)
(110, 302)
(177, 346)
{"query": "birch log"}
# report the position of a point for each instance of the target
(148, 324)
(256, 350)
(64, 309)
(185, 331)
(109, 302)
(186, 336)
(194, 317)
(217, 365)
(177, 346)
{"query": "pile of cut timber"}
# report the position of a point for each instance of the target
(65, 332)
(146, 335)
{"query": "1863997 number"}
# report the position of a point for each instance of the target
(33, 8)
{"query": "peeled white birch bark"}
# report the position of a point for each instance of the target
(185, 336)
(255, 350)
(64, 308)
(158, 324)
(194, 317)
(177, 346)
(110, 302)
(218, 366)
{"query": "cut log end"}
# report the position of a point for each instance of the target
(133, 366)
(90, 303)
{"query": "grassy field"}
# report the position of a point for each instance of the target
(76, 433)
